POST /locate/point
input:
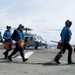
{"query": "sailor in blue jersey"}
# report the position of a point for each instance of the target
(65, 39)
(16, 36)
(7, 39)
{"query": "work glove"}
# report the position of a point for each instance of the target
(13, 41)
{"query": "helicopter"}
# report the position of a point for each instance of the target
(33, 40)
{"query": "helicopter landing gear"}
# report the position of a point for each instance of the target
(46, 47)
(36, 47)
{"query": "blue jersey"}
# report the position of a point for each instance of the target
(65, 34)
(7, 36)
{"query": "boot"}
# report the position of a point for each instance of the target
(25, 59)
(9, 57)
(57, 57)
(5, 54)
(71, 62)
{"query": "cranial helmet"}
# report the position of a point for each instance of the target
(20, 26)
(8, 27)
(68, 23)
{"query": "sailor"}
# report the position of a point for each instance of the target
(65, 39)
(7, 40)
(18, 36)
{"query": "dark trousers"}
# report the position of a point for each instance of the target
(65, 46)
(68, 47)
(20, 49)
(7, 51)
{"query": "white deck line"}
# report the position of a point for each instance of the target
(27, 55)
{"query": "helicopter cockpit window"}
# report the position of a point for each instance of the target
(31, 38)
(34, 38)
(26, 39)
(40, 37)
(37, 37)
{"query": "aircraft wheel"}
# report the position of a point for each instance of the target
(36, 47)
(46, 47)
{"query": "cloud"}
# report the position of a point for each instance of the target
(38, 14)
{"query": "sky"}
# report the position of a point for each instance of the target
(43, 16)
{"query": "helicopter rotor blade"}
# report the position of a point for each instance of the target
(53, 29)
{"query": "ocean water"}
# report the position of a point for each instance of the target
(52, 45)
